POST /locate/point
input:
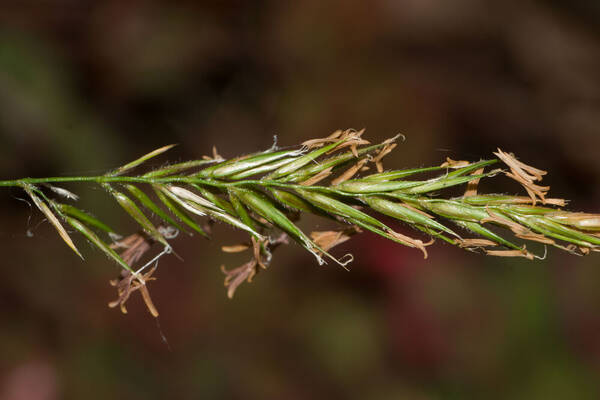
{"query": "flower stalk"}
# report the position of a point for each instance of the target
(266, 192)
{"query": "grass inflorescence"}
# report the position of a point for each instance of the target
(331, 177)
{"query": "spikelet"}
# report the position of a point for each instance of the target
(265, 192)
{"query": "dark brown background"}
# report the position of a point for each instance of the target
(86, 86)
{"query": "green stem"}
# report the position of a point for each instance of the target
(174, 179)
(62, 179)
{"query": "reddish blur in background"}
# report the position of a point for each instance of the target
(86, 86)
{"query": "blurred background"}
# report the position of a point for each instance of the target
(86, 86)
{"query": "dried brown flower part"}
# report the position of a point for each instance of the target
(573, 249)
(517, 229)
(411, 242)
(129, 284)
(135, 246)
(387, 148)
(472, 185)
(235, 277)
(511, 253)
(527, 200)
(526, 175)
(351, 139)
(336, 134)
(527, 171)
(258, 247)
(556, 202)
(315, 143)
(534, 191)
(475, 243)
(147, 299)
(536, 237)
(523, 232)
(215, 155)
(236, 248)
(350, 172)
(576, 250)
(329, 239)
(423, 213)
(262, 220)
(450, 163)
(261, 257)
(317, 178)
(348, 138)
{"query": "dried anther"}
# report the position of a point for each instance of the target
(389, 145)
(260, 247)
(536, 237)
(526, 175)
(423, 213)
(527, 200)
(513, 226)
(129, 284)
(532, 189)
(237, 276)
(317, 178)
(215, 155)
(135, 246)
(236, 248)
(475, 243)
(348, 138)
(315, 143)
(351, 139)
(472, 185)
(450, 163)
(329, 239)
(350, 172)
(527, 171)
(408, 241)
(261, 258)
(511, 253)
